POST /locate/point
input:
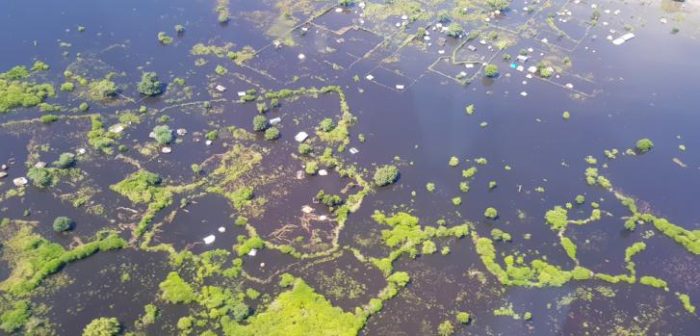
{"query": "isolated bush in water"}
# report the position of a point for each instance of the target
(644, 145)
(149, 84)
(102, 326)
(163, 134)
(386, 175)
(62, 223)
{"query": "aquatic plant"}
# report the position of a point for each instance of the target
(385, 175)
(103, 326)
(149, 84)
(62, 223)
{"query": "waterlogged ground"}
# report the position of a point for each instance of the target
(474, 167)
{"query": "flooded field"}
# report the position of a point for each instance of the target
(324, 167)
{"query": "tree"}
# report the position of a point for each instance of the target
(454, 29)
(149, 84)
(491, 213)
(491, 70)
(163, 134)
(498, 4)
(326, 125)
(176, 290)
(272, 133)
(65, 160)
(644, 145)
(386, 175)
(463, 317)
(102, 326)
(446, 328)
(40, 177)
(62, 223)
(102, 89)
(259, 123)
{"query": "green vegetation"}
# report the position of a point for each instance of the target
(385, 175)
(149, 84)
(62, 223)
(430, 187)
(296, 312)
(175, 290)
(163, 38)
(644, 145)
(491, 70)
(445, 328)
(687, 305)
(463, 317)
(163, 134)
(454, 161)
(144, 187)
(102, 326)
(65, 160)
(102, 89)
(272, 133)
(16, 90)
(491, 213)
(15, 317)
(260, 123)
(455, 29)
(41, 177)
(99, 138)
(326, 125)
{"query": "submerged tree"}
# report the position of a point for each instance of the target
(102, 326)
(149, 84)
(491, 70)
(386, 175)
(163, 134)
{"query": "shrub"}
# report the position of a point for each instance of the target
(491, 213)
(463, 317)
(454, 29)
(102, 326)
(260, 123)
(84, 107)
(67, 87)
(163, 134)
(491, 70)
(272, 133)
(149, 84)
(580, 199)
(386, 175)
(175, 290)
(446, 328)
(644, 145)
(428, 247)
(62, 223)
(430, 186)
(311, 168)
(454, 161)
(15, 318)
(456, 200)
(40, 177)
(164, 38)
(326, 125)
(48, 118)
(102, 89)
(65, 160)
(220, 70)
(305, 149)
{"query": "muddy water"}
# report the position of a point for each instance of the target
(644, 88)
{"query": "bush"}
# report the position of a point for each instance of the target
(48, 118)
(62, 223)
(305, 149)
(84, 107)
(65, 160)
(163, 134)
(386, 175)
(102, 326)
(272, 133)
(164, 38)
(326, 125)
(463, 317)
(644, 145)
(446, 328)
(175, 290)
(67, 87)
(454, 29)
(102, 89)
(260, 123)
(491, 213)
(149, 84)
(491, 70)
(15, 318)
(311, 168)
(40, 177)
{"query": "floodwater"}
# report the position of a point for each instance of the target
(643, 88)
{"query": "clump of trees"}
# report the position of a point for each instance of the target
(386, 175)
(103, 326)
(149, 84)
